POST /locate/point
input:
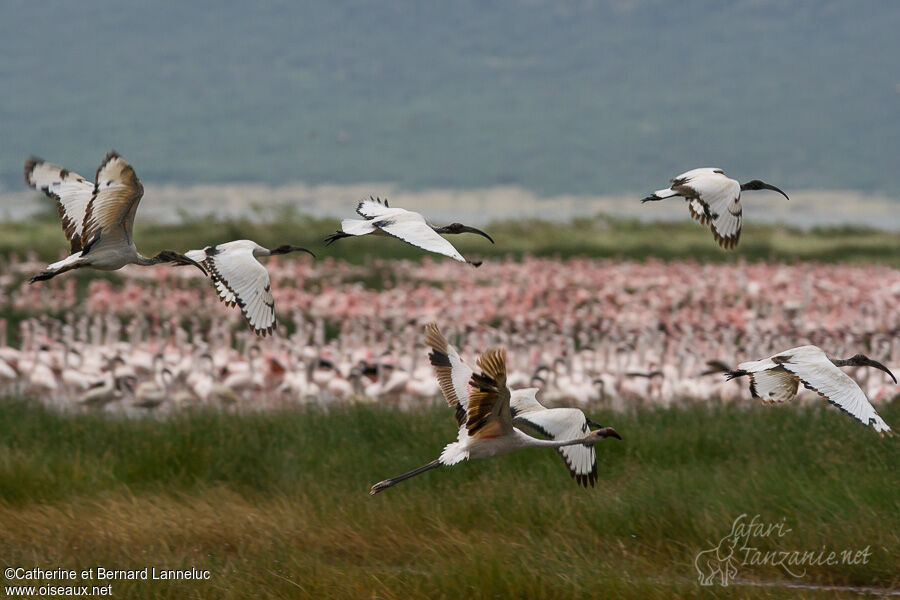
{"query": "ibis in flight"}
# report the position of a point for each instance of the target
(777, 378)
(97, 217)
(713, 199)
(490, 416)
(411, 227)
(240, 278)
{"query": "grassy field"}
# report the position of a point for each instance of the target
(276, 505)
(599, 237)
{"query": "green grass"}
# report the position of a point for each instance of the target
(276, 505)
(599, 237)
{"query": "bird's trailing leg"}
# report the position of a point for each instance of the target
(45, 275)
(381, 485)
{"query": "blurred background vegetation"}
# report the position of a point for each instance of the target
(598, 237)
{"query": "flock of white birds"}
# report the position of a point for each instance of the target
(98, 217)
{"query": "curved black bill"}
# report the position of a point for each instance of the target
(181, 259)
(467, 229)
(878, 365)
(766, 186)
(610, 432)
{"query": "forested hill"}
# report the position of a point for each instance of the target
(556, 96)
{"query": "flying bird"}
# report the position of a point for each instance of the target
(241, 279)
(411, 227)
(98, 217)
(713, 199)
(489, 416)
(776, 379)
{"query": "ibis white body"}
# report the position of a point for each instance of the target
(406, 225)
(241, 279)
(713, 199)
(777, 378)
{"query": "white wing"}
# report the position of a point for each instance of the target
(451, 370)
(372, 208)
(240, 279)
(565, 424)
(357, 226)
(819, 374)
(117, 193)
(715, 199)
(71, 191)
(412, 229)
(693, 173)
(727, 215)
(525, 400)
(775, 385)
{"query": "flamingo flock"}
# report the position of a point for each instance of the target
(590, 333)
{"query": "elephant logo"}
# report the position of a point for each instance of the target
(719, 561)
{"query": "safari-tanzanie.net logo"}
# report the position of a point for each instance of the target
(739, 550)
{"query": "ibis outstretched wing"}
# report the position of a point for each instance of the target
(241, 279)
(564, 424)
(71, 191)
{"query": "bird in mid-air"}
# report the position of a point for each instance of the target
(97, 217)
(411, 227)
(777, 379)
(241, 279)
(713, 200)
(489, 416)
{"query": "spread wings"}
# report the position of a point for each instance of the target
(240, 279)
(117, 193)
(412, 229)
(774, 385)
(71, 191)
(819, 374)
(487, 413)
(565, 424)
(451, 370)
(87, 209)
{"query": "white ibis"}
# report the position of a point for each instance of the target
(488, 418)
(240, 278)
(411, 227)
(777, 378)
(713, 200)
(98, 217)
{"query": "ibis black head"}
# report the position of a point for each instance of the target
(602, 431)
(861, 360)
(460, 228)
(756, 184)
(287, 248)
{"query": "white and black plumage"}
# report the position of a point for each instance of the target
(489, 416)
(411, 227)
(713, 200)
(97, 217)
(777, 379)
(241, 279)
